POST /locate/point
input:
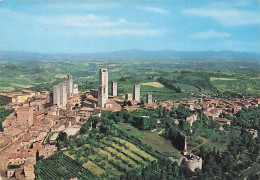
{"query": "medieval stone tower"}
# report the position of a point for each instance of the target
(63, 94)
(69, 85)
(64, 91)
(128, 97)
(137, 92)
(103, 87)
(149, 99)
(56, 95)
(114, 88)
(75, 89)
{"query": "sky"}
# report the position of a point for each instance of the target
(88, 26)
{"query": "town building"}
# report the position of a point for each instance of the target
(15, 98)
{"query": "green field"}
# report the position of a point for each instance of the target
(104, 152)
(110, 158)
(152, 139)
(245, 86)
(59, 166)
(194, 144)
(192, 77)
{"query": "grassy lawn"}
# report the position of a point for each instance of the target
(134, 148)
(195, 143)
(68, 154)
(95, 169)
(154, 84)
(152, 139)
(223, 79)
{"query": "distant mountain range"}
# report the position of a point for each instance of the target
(132, 54)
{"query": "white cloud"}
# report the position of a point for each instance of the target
(227, 17)
(139, 32)
(209, 35)
(154, 9)
(115, 32)
(86, 25)
(88, 20)
(230, 3)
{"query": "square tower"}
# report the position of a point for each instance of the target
(103, 87)
(75, 89)
(56, 95)
(25, 115)
(63, 94)
(149, 99)
(69, 85)
(114, 88)
(128, 97)
(137, 92)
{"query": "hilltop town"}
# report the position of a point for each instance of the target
(38, 118)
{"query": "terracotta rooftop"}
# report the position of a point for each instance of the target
(37, 113)
(93, 99)
(223, 120)
(16, 155)
(86, 109)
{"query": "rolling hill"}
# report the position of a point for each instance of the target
(132, 54)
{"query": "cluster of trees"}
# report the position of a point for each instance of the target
(141, 118)
(241, 155)
(248, 118)
(175, 136)
(226, 94)
(176, 130)
(144, 122)
(162, 169)
(241, 158)
(209, 129)
(169, 84)
(181, 112)
(61, 140)
(199, 79)
(127, 103)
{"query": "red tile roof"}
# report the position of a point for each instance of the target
(16, 155)
(37, 113)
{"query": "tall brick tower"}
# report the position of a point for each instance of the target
(103, 87)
